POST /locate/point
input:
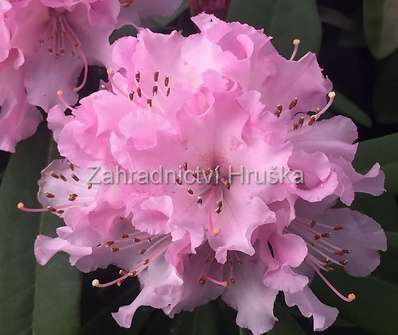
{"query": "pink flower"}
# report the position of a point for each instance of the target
(201, 106)
(217, 7)
(216, 101)
(58, 40)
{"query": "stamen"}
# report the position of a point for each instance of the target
(21, 206)
(85, 71)
(61, 98)
(223, 283)
(316, 117)
(296, 43)
(349, 298)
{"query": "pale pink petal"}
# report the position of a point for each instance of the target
(309, 305)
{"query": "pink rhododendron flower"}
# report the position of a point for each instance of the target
(217, 7)
(203, 105)
(58, 40)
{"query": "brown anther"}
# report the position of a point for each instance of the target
(317, 237)
(156, 76)
(338, 228)
(190, 191)
(312, 120)
(278, 110)
(51, 209)
(178, 180)
(71, 166)
(166, 81)
(131, 95)
(109, 243)
(72, 197)
(293, 103)
(325, 235)
(346, 251)
(50, 195)
(146, 262)
(154, 90)
(199, 200)
(90, 186)
(63, 177)
(115, 249)
(149, 102)
(125, 236)
(300, 122)
(218, 210)
(136, 240)
(75, 178)
(185, 166)
(138, 77)
(60, 211)
(142, 251)
(168, 92)
(139, 92)
(54, 175)
(219, 203)
(339, 253)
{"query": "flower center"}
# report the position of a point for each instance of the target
(60, 38)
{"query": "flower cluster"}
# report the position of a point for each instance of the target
(221, 97)
(45, 44)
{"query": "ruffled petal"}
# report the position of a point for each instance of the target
(309, 305)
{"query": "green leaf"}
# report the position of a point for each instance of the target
(373, 309)
(388, 269)
(33, 300)
(384, 96)
(384, 209)
(382, 150)
(287, 324)
(285, 20)
(346, 107)
(391, 172)
(381, 28)
(203, 321)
